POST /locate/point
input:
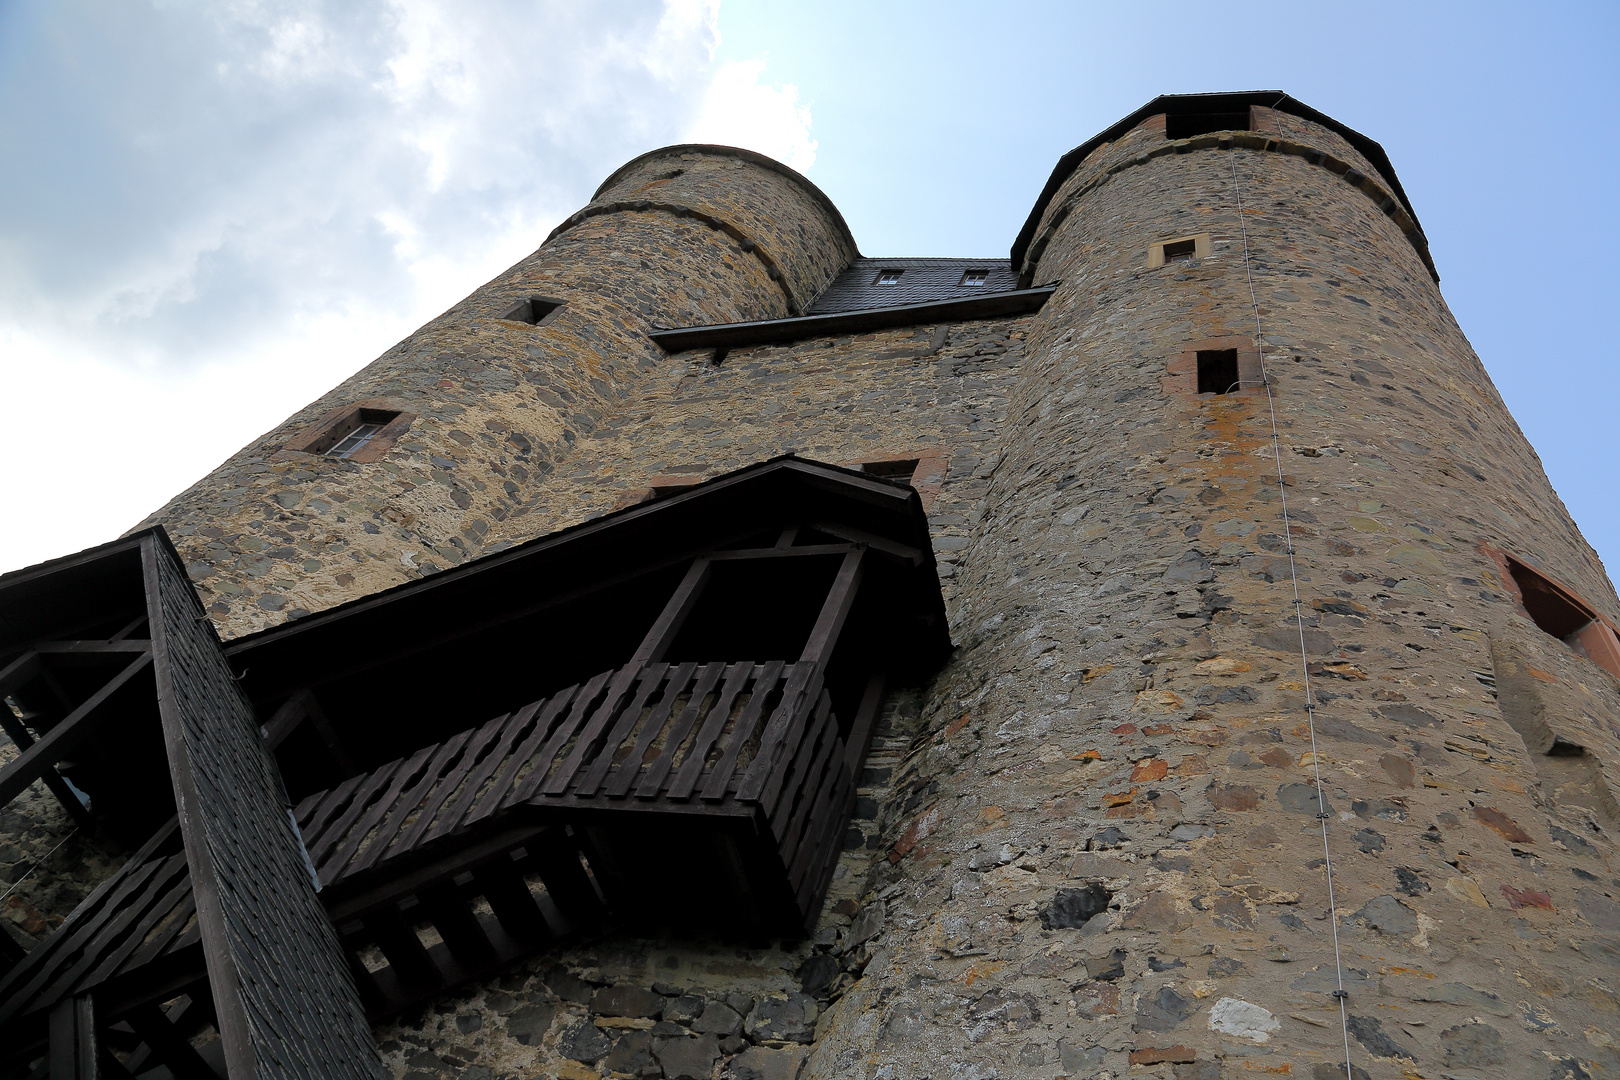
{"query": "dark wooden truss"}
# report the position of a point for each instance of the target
(686, 786)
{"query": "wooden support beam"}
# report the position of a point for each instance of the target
(168, 1045)
(780, 552)
(871, 540)
(54, 783)
(865, 722)
(20, 671)
(62, 738)
(836, 608)
(292, 713)
(73, 1053)
(329, 735)
(130, 627)
(406, 954)
(673, 617)
(458, 926)
(508, 894)
(92, 647)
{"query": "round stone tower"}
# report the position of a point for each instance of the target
(1228, 644)
(477, 408)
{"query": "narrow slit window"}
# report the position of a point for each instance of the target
(1217, 371)
(534, 311)
(1180, 251)
(889, 277)
(367, 425)
(975, 277)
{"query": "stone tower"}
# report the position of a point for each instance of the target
(1283, 712)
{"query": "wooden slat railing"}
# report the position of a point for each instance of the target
(658, 736)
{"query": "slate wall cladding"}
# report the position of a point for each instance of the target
(498, 404)
(287, 1003)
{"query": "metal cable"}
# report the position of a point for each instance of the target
(1341, 995)
(40, 862)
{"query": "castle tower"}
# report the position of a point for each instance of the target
(1282, 719)
(473, 412)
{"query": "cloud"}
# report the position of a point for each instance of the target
(194, 174)
(739, 110)
(215, 212)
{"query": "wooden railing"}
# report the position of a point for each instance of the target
(751, 740)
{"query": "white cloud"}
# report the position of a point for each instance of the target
(739, 110)
(212, 213)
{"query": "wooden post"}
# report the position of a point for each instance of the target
(73, 1039)
(840, 598)
(674, 615)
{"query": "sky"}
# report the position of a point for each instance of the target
(210, 213)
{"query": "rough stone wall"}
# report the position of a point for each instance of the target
(1122, 870)
(274, 532)
(931, 390)
(47, 865)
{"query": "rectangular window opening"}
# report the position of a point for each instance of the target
(534, 311)
(1217, 371)
(900, 470)
(975, 277)
(1180, 251)
(364, 427)
(1188, 125)
(888, 277)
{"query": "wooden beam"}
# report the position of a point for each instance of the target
(836, 608)
(62, 738)
(18, 731)
(20, 671)
(93, 647)
(781, 552)
(673, 617)
(865, 722)
(168, 1045)
(329, 735)
(871, 540)
(285, 720)
(73, 1050)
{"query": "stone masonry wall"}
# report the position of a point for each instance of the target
(499, 404)
(1122, 869)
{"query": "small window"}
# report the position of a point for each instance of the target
(888, 277)
(1180, 251)
(1217, 371)
(1560, 614)
(975, 277)
(367, 424)
(534, 311)
(900, 470)
(1188, 125)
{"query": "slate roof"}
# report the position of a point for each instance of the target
(921, 281)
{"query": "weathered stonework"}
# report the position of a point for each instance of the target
(1091, 845)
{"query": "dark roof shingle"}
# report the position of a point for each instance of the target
(921, 281)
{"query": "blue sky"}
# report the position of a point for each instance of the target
(210, 213)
